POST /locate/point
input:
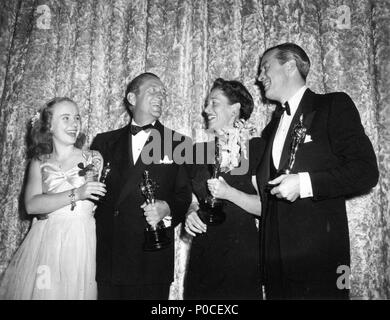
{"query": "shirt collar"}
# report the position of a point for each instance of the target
(296, 99)
(136, 124)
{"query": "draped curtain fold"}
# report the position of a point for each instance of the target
(89, 50)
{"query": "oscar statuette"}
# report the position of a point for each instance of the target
(298, 136)
(105, 171)
(210, 209)
(156, 237)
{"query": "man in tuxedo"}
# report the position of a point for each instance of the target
(124, 269)
(305, 241)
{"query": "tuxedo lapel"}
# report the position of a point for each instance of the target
(130, 150)
(120, 159)
(305, 108)
(123, 160)
(120, 155)
(264, 168)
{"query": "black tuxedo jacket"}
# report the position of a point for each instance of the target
(313, 232)
(120, 222)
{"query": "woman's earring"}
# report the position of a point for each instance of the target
(234, 117)
(235, 112)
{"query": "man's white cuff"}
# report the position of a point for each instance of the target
(167, 221)
(306, 189)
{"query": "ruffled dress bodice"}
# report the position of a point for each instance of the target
(55, 180)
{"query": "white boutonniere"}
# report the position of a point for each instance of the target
(166, 160)
(307, 138)
(233, 144)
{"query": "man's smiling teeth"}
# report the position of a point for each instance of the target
(71, 133)
(266, 84)
(211, 117)
(156, 102)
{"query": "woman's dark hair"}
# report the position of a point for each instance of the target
(40, 139)
(235, 91)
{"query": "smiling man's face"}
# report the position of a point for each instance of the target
(273, 76)
(150, 99)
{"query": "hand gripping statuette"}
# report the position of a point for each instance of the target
(298, 136)
(156, 237)
(210, 211)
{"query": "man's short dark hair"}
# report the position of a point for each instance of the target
(290, 51)
(135, 84)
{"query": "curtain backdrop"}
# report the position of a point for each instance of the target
(90, 49)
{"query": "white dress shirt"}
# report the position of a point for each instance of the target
(137, 143)
(280, 137)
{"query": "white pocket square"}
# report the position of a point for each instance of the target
(166, 160)
(308, 138)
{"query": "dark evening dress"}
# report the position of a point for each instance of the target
(224, 261)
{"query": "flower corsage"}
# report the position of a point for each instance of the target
(233, 144)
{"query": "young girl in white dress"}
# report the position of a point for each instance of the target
(57, 258)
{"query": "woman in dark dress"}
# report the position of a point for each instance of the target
(224, 259)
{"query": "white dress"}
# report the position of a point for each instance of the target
(57, 259)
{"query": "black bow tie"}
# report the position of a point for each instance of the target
(136, 129)
(281, 109)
